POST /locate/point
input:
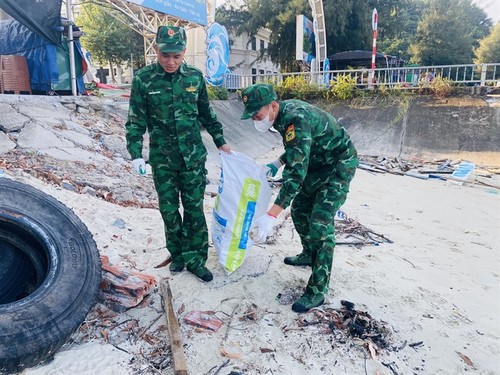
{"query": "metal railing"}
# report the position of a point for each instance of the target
(400, 77)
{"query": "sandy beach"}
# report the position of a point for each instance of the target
(435, 288)
(424, 284)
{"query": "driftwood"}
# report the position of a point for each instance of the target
(180, 366)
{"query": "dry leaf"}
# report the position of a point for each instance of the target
(164, 263)
(150, 339)
(266, 350)
(466, 359)
(230, 355)
(181, 309)
(372, 350)
(105, 334)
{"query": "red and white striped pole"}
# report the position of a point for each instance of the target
(374, 46)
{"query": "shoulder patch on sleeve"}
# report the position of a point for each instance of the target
(290, 133)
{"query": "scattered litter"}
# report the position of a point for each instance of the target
(466, 359)
(351, 232)
(203, 319)
(165, 263)
(458, 171)
(422, 176)
(231, 355)
(347, 324)
(340, 215)
(119, 223)
(121, 289)
(416, 344)
(463, 171)
(267, 350)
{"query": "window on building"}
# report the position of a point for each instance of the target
(262, 45)
(254, 44)
(254, 73)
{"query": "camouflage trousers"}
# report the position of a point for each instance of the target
(313, 215)
(187, 235)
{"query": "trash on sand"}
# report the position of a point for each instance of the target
(121, 289)
(466, 359)
(231, 355)
(350, 232)
(352, 325)
(463, 171)
(203, 319)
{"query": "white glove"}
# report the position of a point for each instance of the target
(139, 166)
(273, 167)
(262, 228)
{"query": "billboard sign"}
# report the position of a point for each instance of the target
(188, 10)
(305, 41)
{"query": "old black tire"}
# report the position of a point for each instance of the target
(56, 270)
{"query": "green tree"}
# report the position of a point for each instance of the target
(279, 16)
(398, 21)
(107, 37)
(448, 32)
(425, 31)
(348, 24)
(489, 47)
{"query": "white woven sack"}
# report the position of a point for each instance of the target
(243, 196)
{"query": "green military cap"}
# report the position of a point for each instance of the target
(255, 97)
(171, 39)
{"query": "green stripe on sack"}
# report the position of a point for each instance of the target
(249, 194)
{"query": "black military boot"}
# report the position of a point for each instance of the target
(202, 273)
(176, 266)
(301, 259)
(308, 301)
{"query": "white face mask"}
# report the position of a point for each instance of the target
(263, 125)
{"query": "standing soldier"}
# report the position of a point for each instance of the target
(320, 161)
(169, 99)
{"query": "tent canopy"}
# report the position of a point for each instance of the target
(41, 16)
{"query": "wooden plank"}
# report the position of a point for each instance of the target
(488, 182)
(368, 168)
(416, 175)
(180, 366)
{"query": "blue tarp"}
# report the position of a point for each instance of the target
(42, 56)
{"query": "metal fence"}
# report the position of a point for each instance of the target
(401, 77)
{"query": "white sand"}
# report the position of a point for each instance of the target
(437, 283)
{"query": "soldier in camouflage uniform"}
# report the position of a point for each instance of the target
(320, 161)
(169, 100)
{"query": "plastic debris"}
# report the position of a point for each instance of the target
(464, 170)
(121, 289)
(203, 319)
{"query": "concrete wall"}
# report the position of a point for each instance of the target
(467, 128)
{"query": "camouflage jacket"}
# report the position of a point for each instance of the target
(317, 149)
(171, 110)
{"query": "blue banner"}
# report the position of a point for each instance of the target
(188, 10)
(217, 54)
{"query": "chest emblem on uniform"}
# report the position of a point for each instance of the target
(191, 89)
(290, 133)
